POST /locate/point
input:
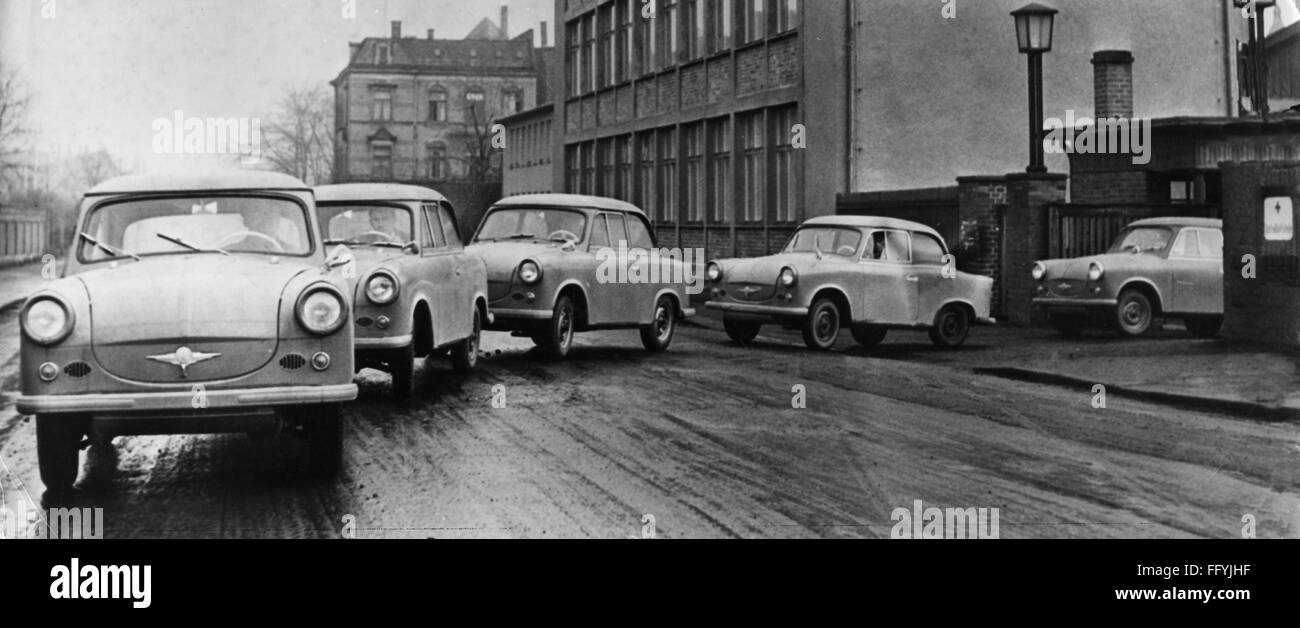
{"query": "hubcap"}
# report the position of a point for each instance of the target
(1135, 314)
(566, 326)
(663, 322)
(826, 324)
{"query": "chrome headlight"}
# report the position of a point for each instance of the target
(321, 311)
(1096, 272)
(382, 289)
(1040, 271)
(530, 273)
(47, 321)
(788, 277)
(713, 272)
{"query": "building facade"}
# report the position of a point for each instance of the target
(423, 110)
(527, 163)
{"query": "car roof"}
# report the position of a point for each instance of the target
(569, 200)
(200, 181)
(1212, 223)
(357, 192)
(873, 222)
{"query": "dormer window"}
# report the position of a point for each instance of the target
(383, 54)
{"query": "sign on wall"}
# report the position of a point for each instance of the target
(1279, 219)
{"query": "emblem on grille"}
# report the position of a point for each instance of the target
(184, 358)
(1064, 286)
(748, 291)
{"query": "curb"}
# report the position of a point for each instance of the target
(1240, 409)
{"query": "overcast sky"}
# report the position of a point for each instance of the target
(101, 71)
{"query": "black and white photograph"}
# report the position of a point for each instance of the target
(364, 270)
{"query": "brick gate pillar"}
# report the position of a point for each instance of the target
(1264, 308)
(1025, 237)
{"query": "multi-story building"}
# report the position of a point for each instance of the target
(422, 110)
(731, 121)
(527, 162)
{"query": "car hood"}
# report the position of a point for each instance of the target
(208, 303)
(1077, 268)
(368, 258)
(766, 270)
(503, 258)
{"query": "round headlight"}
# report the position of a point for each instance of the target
(788, 277)
(1096, 272)
(47, 321)
(1040, 271)
(381, 289)
(713, 272)
(321, 311)
(530, 273)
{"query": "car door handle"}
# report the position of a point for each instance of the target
(913, 279)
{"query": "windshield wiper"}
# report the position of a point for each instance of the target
(115, 252)
(180, 242)
(391, 245)
(522, 236)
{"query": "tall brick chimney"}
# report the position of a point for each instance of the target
(545, 35)
(1112, 80)
(431, 34)
(505, 22)
(397, 29)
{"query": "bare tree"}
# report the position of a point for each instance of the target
(90, 168)
(299, 139)
(482, 159)
(13, 124)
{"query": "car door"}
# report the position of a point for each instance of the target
(643, 294)
(888, 295)
(936, 284)
(603, 288)
(464, 276)
(440, 268)
(1196, 270)
(620, 309)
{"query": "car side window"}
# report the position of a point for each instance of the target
(926, 249)
(1187, 245)
(617, 229)
(875, 247)
(435, 226)
(1211, 244)
(450, 235)
(897, 247)
(639, 233)
(599, 234)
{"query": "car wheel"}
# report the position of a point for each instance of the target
(402, 366)
(657, 336)
(1204, 326)
(557, 340)
(1071, 327)
(58, 451)
(324, 429)
(822, 328)
(1134, 313)
(741, 333)
(869, 335)
(951, 327)
(464, 356)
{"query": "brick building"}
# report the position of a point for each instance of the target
(421, 110)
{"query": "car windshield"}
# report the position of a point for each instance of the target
(533, 224)
(216, 224)
(1142, 240)
(366, 225)
(826, 240)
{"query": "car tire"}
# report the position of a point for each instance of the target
(869, 335)
(58, 451)
(1070, 327)
(739, 332)
(323, 426)
(1204, 326)
(658, 336)
(402, 367)
(557, 340)
(1134, 314)
(821, 330)
(951, 327)
(464, 356)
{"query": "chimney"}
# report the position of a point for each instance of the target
(505, 22)
(397, 29)
(545, 35)
(431, 34)
(1112, 77)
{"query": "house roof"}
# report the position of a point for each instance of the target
(1211, 223)
(486, 29)
(568, 200)
(361, 192)
(452, 55)
(194, 182)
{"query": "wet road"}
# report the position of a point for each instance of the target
(704, 439)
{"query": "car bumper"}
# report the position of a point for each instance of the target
(757, 310)
(383, 344)
(250, 399)
(517, 314)
(1074, 302)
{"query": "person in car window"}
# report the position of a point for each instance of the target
(261, 233)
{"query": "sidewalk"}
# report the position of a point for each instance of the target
(1168, 367)
(18, 282)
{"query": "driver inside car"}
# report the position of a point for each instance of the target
(385, 222)
(261, 235)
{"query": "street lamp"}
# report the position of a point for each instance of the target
(1034, 30)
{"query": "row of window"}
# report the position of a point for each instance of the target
(474, 111)
(698, 172)
(624, 39)
(529, 144)
(436, 167)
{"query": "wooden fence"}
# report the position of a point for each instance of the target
(24, 236)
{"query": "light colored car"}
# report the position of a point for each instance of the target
(417, 293)
(189, 304)
(1170, 267)
(865, 273)
(544, 253)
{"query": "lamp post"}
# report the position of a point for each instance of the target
(1034, 26)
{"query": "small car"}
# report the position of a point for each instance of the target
(416, 292)
(1160, 267)
(545, 254)
(869, 274)
(189, 304)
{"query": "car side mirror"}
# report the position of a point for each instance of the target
(412, 247)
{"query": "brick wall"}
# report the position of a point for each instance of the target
(694, 86)
(751, 71)
(720, 83)
(1025, 234)
(1264, 309)
(668, 92)
(1107, 188)
(783, 63)
(646, 98)
(981, 203)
